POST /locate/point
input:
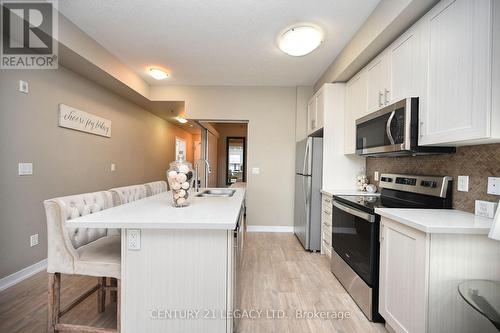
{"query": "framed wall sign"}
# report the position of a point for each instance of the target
(72, 118)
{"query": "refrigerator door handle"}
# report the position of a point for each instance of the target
(306, 156)
(304, 190)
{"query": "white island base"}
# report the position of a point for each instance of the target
(183, 276)
(179, 281)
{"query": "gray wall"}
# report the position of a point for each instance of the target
(270, 112)
(66, 161)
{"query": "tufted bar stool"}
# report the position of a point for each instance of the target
(80, 251)
(154, 188)
(126, 194)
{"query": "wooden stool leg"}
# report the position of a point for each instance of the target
(118, 305)
(54, 301)
(101, 295)
(113, 283)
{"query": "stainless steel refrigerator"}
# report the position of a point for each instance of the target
(308, 178)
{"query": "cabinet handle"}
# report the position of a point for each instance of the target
(421, 129)
(380, 94)
(386, 92)
(313, 124)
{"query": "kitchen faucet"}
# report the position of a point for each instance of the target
(196, 173)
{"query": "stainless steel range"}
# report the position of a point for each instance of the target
(355, 231)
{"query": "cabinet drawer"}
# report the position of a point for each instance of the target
(326, 219)
(326, 249)
(327, 202)
(327, 235)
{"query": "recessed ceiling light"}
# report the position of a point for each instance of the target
(181, 120)
(158, 74)
(299, 41)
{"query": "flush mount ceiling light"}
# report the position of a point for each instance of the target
(158, 74)
(181, 120)
(299, 41)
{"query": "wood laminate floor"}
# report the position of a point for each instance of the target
(280, 278)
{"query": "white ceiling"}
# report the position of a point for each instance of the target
(218, 42)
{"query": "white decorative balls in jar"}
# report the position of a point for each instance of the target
(180, 178)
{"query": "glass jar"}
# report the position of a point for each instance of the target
(180, 176)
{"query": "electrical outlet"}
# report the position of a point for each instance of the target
(463, 184)
(255, 171)
(33, 240)
(113, 167)
(23, 86)
(25, 169)
(494, 185)
(375, 176)
(486, 208)
(134, 239)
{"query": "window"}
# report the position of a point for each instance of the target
(235, 160)
(180, 146)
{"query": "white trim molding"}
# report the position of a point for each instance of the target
(269, 228)
(23, 274)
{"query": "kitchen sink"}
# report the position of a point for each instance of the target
(216, 193)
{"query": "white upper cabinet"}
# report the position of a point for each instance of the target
(312, 124)
(459, 72)
(316, 109)
(320, 108)
(355, 107)
(379, 83)
(450, 60)
(407, 60)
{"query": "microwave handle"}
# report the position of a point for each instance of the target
(388, 127)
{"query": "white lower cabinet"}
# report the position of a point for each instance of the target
(326, 225)
(419, 277)
(403, 277)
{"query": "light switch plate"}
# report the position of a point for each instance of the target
(25, 169)
(34, 240)
(23, 86)
(375, 176)
(494, 185)
(486, 208)
(134, 239)
(463, 184)
(113, 167)
(255, 171)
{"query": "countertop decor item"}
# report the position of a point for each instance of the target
(495, 228)
(362, 182)
(179, 177)
(371, 188)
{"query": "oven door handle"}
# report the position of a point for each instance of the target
(388, 127)
(365, 216)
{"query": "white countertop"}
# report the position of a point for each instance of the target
(346, 192)
(157, 212)
(442, 221)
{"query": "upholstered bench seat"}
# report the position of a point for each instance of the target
(100, 258)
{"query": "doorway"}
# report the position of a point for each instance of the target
(224, 145)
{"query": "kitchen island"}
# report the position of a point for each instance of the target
(178, 265)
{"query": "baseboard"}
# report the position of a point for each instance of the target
(24, 273)
(269, 228)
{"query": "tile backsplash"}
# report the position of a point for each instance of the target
(477, 162)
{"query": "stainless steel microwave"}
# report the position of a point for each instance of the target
(393, 131)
